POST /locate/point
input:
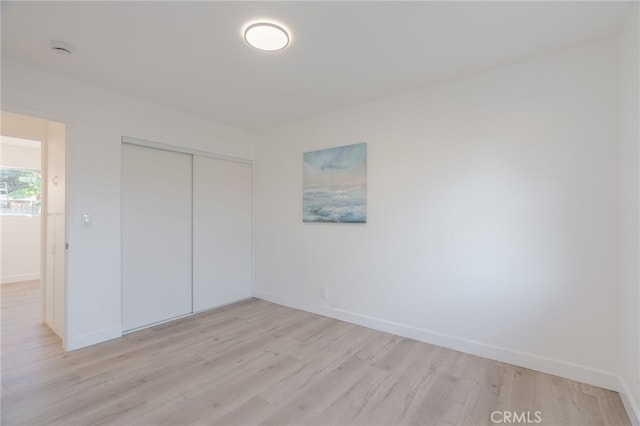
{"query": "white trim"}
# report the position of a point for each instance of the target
(153, 324)
(183, 150)
(187, 315)
(633, 411)
(222, 305)
(10, 279)
(253, 233)
(544, 364)
(88, 339)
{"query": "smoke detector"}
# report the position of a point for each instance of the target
(61, 48)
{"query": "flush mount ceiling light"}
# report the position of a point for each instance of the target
(266, 36)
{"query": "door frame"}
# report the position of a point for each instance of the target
(66, 120)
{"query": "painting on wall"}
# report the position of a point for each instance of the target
(335, 185)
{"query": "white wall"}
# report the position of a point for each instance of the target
(96, 120)
(492, 215)
(20, 246)
(629, 74)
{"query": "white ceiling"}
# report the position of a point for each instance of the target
(191, 55)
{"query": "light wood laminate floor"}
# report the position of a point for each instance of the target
(259, 363)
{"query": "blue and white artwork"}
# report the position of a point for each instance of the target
(335, 185)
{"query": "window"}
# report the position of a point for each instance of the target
(20, 192)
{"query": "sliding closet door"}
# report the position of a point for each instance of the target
(156, 236)
(221, 232)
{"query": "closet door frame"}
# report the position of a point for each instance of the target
(193, 152)
(183, 150)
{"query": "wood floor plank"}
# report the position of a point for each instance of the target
(256, 363)
(250, 412)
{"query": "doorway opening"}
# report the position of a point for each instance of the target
(33, 224)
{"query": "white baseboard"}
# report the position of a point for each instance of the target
(629, 404)
(88, 339)
(9, 279)
(548, 365)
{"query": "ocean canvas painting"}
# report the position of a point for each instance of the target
(335, 185)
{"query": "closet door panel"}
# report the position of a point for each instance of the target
(156, 235)
(222, 232)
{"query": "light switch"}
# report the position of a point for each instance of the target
(86, 220)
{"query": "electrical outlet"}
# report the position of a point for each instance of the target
(323, 293)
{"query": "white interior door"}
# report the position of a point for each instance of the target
(222, 246)
(156, 236)
(55, 233)
(55, 273)
(49, 278)
(59, 274)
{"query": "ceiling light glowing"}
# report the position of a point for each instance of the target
(266, 36)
